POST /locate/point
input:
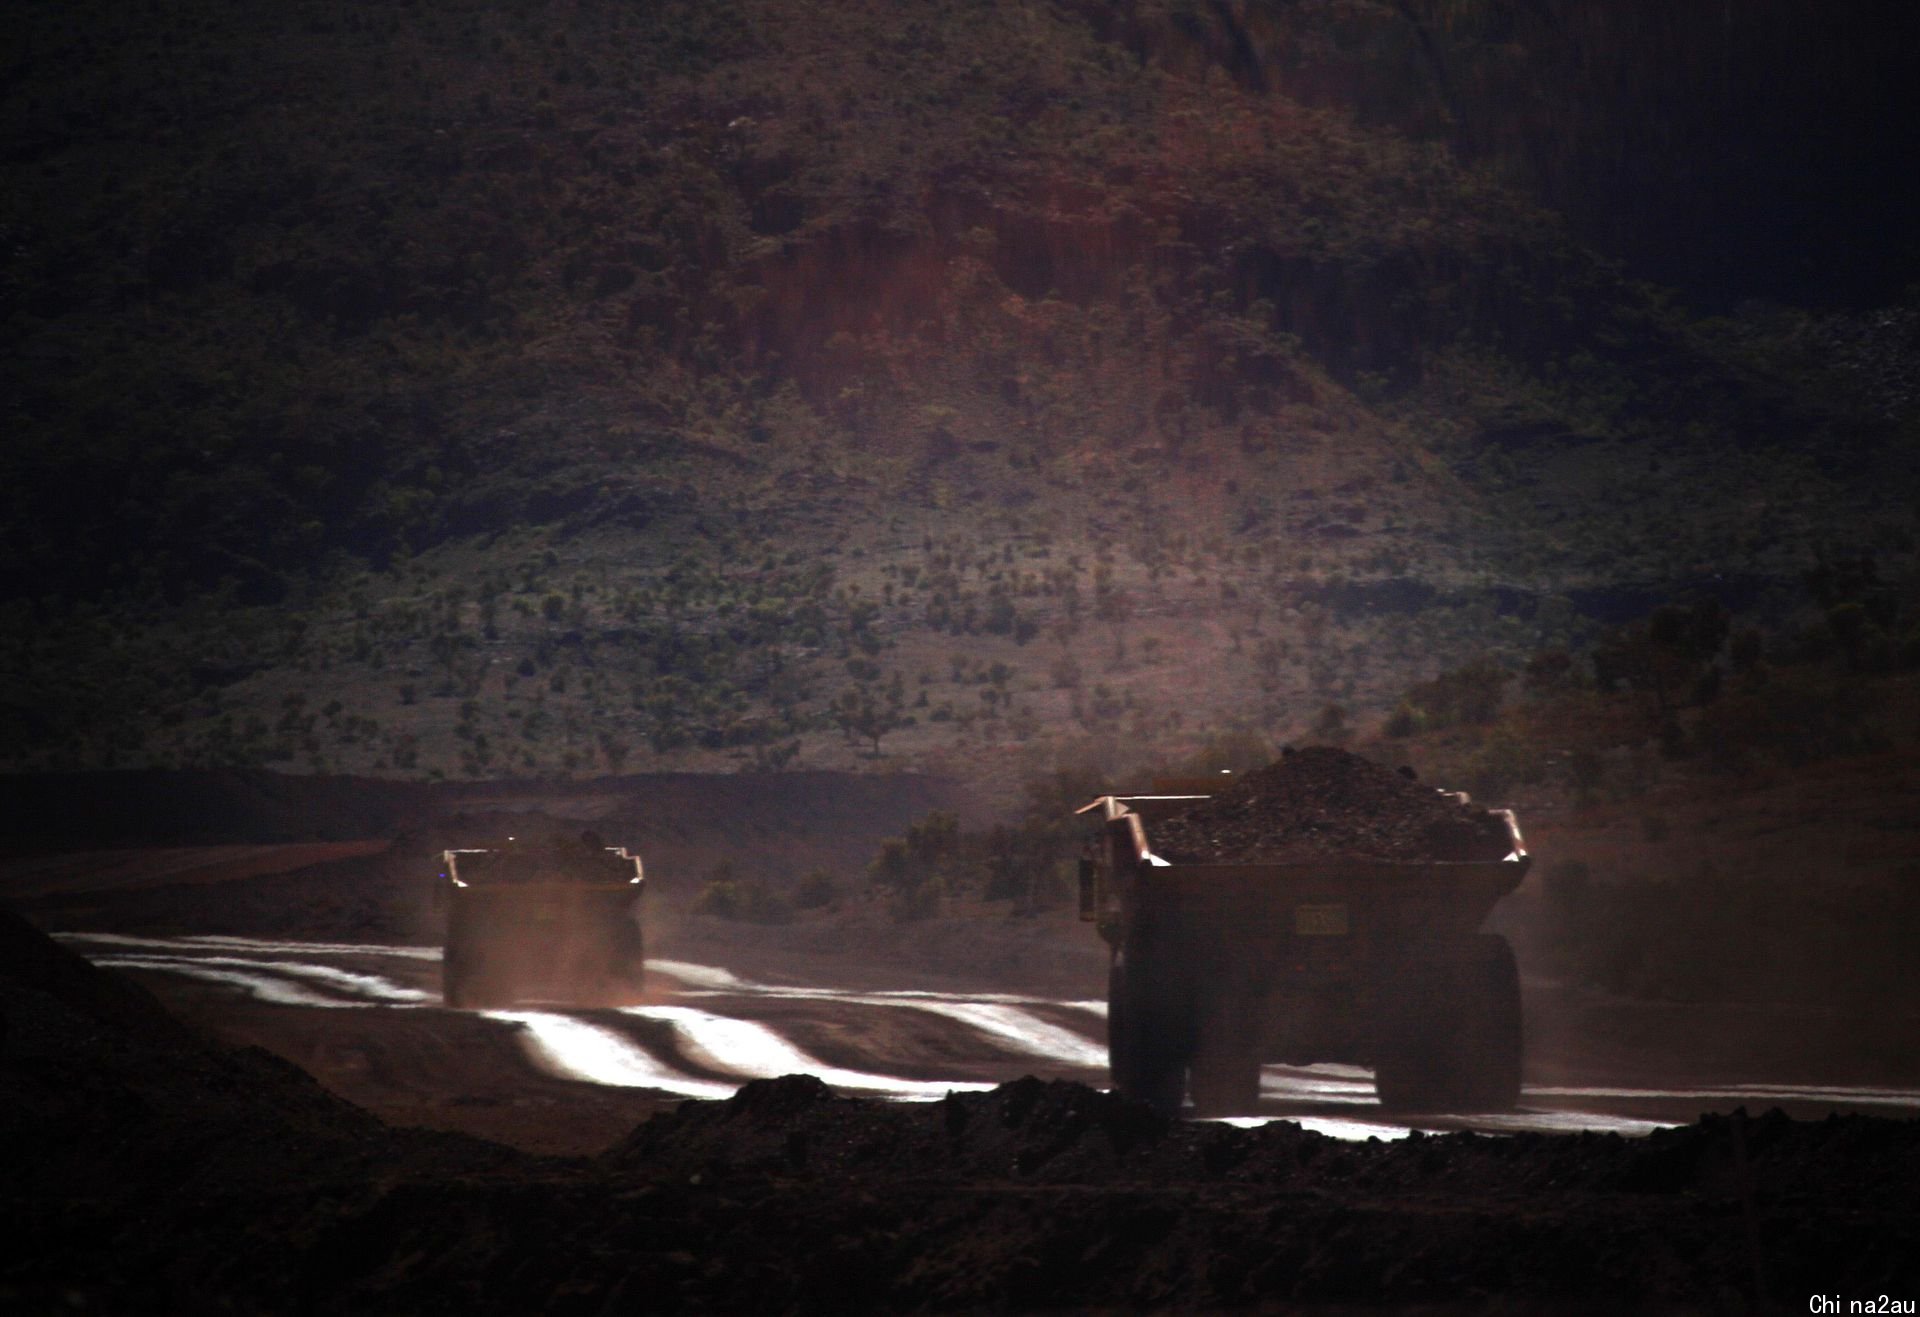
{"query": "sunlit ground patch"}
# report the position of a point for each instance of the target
(267, 988)
(1510, 1122)
(1334, 1127)
(712, 979)
(1865, 1097)
(1563, 1122)
(1017, 1029)
(370, 989)
(574, 1049)
(700, 976)
(1000, 1016)
(754, 1051)
(260, 946)
(1318, 1083)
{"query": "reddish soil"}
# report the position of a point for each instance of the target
(1323, 801)
(92, 871)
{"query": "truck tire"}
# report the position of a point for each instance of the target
(454, 988)
(464, 988)
(630, 974)
(1146, 1047)
(1448, 1035)
(1491, 1037)
(1225, 1078)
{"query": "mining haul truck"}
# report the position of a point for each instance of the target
(1218, 969)
(542, 921)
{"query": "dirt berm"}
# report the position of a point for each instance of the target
(151, 1170)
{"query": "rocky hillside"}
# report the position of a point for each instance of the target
(487, 387)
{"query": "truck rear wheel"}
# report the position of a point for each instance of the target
(454, 988)
(1492, 1038)
(1448, 1037)
(464, 987)
(1225, 1078)
(1224, 1075)
(1146, 1051)
(630, 972)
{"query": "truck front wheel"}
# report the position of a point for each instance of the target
(1448, 1031)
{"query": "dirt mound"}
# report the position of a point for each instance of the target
(151, 1170)
(1049, 1131)
(33, 965)
(1039, 1196)
(1324, 801)
(103, 1092)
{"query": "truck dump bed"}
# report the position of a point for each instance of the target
(555, 923)
(1337, 896)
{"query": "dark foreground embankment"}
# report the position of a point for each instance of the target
(153, 1170)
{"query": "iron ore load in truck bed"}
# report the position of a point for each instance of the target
(1321, 909)
(553, 920)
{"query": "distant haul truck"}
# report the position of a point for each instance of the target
(1218, 968)
(549, 921)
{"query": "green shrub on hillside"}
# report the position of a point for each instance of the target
(1790, 716)
(723, 895)
(1468, 694)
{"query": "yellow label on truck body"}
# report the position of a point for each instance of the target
(1320, 920)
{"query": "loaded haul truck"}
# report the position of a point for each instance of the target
(550, 921)
(1322, 909)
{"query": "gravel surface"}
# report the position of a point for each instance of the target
(1323, 801)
